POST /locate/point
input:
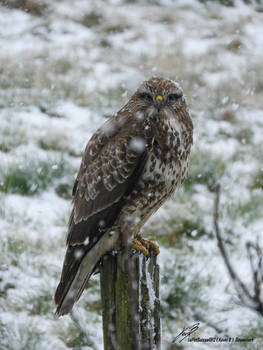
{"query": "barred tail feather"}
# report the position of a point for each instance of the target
(77, 272)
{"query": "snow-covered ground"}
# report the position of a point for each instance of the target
(67, 65)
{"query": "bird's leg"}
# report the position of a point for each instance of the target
(146, 244)
(118, 245)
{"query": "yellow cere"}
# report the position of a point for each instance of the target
(159, 97)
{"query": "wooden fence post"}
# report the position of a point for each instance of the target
(130, 301)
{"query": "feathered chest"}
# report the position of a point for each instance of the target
(169, 146)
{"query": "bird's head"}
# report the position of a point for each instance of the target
(158, 96)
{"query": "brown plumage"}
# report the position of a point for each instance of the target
(130, 166)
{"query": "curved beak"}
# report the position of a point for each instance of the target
(159, 102)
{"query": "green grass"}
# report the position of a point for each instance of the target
(72, 335)
(179, 230)
(185, 293)
(19, 338)
(204, 169)
(58, 144)
(249, 211)
(41, 305)
(91, 19)
(26, 84)
(11, 137)
(64, 190)
(244, 135)
(13, 248)
(48, 145)
(32, 177)
(254, 331)
(74, 339)
(111, 100)
(257, 182)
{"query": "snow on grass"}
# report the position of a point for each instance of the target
(65, 68)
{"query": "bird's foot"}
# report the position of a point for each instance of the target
(140, 242)
(154, 246)
(137, 245)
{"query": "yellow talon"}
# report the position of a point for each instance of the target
(154, 245)
(140, 244)
(149, 244)
(136, 244)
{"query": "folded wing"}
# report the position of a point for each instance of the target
(109, 171)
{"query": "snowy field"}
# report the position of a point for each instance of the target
(67, 65)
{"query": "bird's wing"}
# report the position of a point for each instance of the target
(109, 170)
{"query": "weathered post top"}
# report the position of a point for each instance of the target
(130, 301)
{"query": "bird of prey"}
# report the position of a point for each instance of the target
(130, 167)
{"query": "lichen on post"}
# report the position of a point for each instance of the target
(130, 301)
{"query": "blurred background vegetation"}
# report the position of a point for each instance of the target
(64, 67)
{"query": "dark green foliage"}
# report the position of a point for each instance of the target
(229, 3)
(235, 45)
(244, 136)
(34, 7)
(48, 145)
(4, 148)
(258, 180)
(64, 190)
(31, 177)
(91, 19)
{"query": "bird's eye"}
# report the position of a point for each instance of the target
(145, 96)
(173, 97)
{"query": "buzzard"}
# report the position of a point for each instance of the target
(130, 166)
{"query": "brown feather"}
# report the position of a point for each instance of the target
(105, 209)
(130, 166)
